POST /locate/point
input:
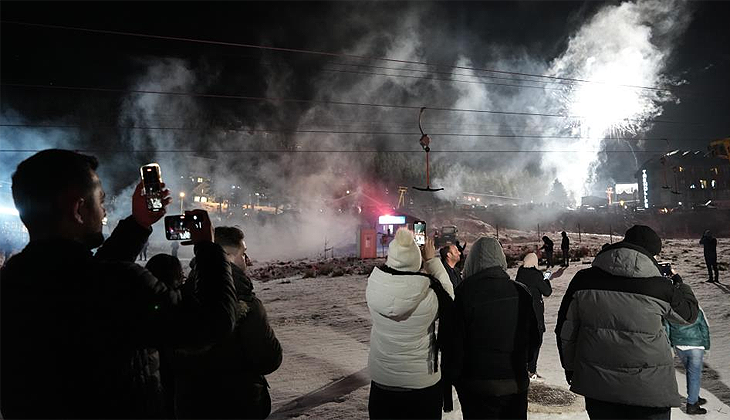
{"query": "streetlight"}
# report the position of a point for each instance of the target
(182, 199)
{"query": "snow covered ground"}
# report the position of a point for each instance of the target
(324, 326)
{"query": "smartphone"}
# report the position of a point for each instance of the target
(546, 275)
(152, 182)
(666, 269)
(177, 228)
(419, 231)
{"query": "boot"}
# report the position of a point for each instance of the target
(701, 401)
(695, 409)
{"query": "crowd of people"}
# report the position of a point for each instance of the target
(87, 335)
(616, 326)
(96, 335)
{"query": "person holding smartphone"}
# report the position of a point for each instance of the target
(72, 322)
(539, 286)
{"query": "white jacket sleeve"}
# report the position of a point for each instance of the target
(435, 267)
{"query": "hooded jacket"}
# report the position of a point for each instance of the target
(535, 282)
(403, 309)
(610, 329)
(495, 328)
(697, 334)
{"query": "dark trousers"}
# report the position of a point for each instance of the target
(566, 257)
(712, 265)
(532, 364)
(425, 403)
(549, 258)
(475, 405)
(598, 409)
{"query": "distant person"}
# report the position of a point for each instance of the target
(565, 248)
(610, 333)
(174, 247)
(404, 305)
(226, 381)
(450, 257)
(710, 244)
(161, 385)
(494, 336)
(690, 343)
(72, 322)
(547, 246)
(538, 286)
(143, 252)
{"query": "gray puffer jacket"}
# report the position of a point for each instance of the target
(610, 329)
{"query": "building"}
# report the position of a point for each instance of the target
(683, 179)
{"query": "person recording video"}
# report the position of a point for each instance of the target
(72, 321)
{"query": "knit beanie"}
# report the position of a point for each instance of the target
(530, 260)
(645, 237)
(403, 253)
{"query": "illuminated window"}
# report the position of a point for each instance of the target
(681, 169)
(703, 184)
(197, 199)
(203, 199)
(200, 179)
(714, 171)
(692, 187)
(713, 184)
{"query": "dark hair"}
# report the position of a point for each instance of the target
(444, 251)
(167, 269)
(40, 180)
(228, 236)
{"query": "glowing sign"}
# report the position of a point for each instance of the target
(626, 188)
(392, 220)
(645, 185)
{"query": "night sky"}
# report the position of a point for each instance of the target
(33, 55)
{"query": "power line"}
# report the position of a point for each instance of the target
(342, 132)
(315, 101)
(327, 151)
(320, 53)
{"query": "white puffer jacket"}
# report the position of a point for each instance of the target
(402, 340)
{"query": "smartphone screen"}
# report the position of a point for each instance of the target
(419, 231)
(176, 228)
(152, 181)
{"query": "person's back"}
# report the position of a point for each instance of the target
(494, 334)
(610, 331)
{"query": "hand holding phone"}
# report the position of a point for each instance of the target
(428, 250)
(201, 229)
(419, 232)
(152, 181)
(141, 213)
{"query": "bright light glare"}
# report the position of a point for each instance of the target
(12, 211)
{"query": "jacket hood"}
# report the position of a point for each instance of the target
(394, 296)
(485, 253)
(627, 260)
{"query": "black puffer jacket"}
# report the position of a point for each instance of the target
(610, 329)
(72, 324)
(533, 279)
(227, 379)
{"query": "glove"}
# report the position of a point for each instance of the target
(677, 280)
(569, 376)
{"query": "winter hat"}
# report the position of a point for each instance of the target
(485, 253)
(530, 260)
(645, 237)
(403, 253)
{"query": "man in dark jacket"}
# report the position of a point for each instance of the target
(565, 249)
(494, 333)
(227, 380)
(450, 256)
(538, 286)
(710, 244)
(72, 323)
(610, 333)
(548, 246)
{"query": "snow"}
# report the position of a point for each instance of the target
(324, 326)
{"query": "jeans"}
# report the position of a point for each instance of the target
(598, 409)
(692, 361)
(532, 363)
